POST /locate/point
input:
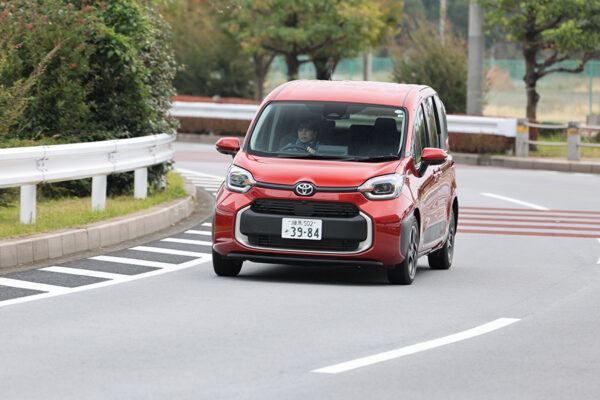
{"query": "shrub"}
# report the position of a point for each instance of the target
(423, 59)
(111, 76)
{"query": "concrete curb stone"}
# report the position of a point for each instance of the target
(41, 247)
(549, 164)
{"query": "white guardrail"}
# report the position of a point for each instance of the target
(25, 167)
(456, 123)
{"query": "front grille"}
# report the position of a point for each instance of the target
(276, 242)
(304, 208)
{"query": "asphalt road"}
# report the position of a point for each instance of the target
(515, 317)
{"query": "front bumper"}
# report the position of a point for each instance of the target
(372, 237)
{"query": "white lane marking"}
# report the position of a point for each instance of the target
(207, 224)
(523, 203)
(42, 287)
(190, 172)
(177, 267)
(83, 272)
(195, 232)
(170, 251)
(416, 348)
(133, 261)
(187, 241)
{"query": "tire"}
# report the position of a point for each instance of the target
(225, 267)
(442, 258)
(404, 273)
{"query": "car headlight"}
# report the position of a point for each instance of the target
(239, 180)
(382, 187)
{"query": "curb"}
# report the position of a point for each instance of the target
(68, 242)
(528, 163)
(549, 164)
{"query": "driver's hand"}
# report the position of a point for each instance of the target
(310, 150)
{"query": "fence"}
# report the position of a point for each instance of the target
(564, 96)
(573, 143)
(25, 167)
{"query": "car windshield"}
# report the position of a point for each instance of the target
(328, 130)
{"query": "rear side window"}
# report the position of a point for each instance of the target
(432, 125)
(420, 135)
(440, 113)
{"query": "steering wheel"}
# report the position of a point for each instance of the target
(295, 146)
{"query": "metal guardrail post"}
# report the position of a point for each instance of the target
(573, 142)
(27, 204)
(140, 183)
(522, 139)
(98, 193)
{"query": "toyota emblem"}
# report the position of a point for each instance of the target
(304, 189)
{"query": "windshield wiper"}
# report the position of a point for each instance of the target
(388, 157)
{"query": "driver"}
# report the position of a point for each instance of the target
(307, 138)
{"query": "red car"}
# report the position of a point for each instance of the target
(340, 172)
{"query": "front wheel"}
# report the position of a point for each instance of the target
(442, 258)
(225, 267)
(404, 273)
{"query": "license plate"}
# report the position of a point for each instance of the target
(300, 228)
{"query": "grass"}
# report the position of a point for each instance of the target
(55, 214)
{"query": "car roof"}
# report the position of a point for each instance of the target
(385, 93)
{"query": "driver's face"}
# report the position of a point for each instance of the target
(306, 135)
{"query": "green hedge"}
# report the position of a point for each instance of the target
(107, 73)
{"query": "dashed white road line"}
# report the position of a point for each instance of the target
(187, 241)
(58, 291)
(133, 261)
(510, 199)
(190, 172)
(83, 272)
(42, 287)
(195, 232)
(416, 348)
(170, 251)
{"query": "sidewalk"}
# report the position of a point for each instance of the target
(550, 164)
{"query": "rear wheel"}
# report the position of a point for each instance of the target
(404, 273)
(442, 258)
(225, 267)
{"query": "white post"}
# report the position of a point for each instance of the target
(98, 193)
(28, 203)
(522, 139)
(573, 142)
(140, 183)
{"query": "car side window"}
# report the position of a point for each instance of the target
(432, 125)
(419, 135)
(441, 118)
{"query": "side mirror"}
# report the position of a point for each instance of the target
(433, 156)
(228, 145)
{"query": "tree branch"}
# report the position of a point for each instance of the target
(586, 57)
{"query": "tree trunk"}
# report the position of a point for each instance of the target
(293, 66)
(324, 68)
(261, 69)
(530, 79)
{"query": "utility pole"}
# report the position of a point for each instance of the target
(367, 66)
(443, 20)
(475, 63)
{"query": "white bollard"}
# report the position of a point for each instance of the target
(140, 183)
(573, 142)
(98, 193)
(522, 140)
(28, 203)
